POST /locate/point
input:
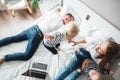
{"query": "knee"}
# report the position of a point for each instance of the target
(27, 57)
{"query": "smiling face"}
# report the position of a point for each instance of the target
(95, 75)
(67, 18)
(102, 48)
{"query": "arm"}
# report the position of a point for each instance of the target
(106, 72)
(58, 10)
(105, 67)
(50, 42)
(79, 42)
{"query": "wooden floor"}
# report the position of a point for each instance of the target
(9, 25)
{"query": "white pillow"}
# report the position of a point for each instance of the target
(86, 30)
(68, 9)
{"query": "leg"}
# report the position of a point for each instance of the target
(33, 38)
(31, 48)
(73, 76)
(68, 69)
(20, 37)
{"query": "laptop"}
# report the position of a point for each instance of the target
(37, 70)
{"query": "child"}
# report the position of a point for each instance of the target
(52, 40)
(91, 69)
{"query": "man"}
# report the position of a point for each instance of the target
(34, 35)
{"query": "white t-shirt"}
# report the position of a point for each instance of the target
(91, 47)
(94, 38)
(50, 22)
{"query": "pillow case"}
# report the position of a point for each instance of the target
(87, 30)
(68, 9)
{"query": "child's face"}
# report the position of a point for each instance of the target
(94, 75)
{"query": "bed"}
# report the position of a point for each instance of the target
(93, 27)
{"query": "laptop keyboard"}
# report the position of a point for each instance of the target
(39, 65)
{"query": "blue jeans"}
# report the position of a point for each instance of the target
(70, 71)
(34, 39)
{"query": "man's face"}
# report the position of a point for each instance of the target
(67, 19)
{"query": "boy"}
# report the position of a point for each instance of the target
(52, 40)
(91, 69)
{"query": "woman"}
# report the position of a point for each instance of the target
(102, 53)
(105, 51)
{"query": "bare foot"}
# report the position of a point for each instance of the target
(1, 59)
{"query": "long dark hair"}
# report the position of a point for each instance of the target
(112, 51)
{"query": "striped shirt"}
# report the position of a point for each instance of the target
(59, 36)
(91, 66)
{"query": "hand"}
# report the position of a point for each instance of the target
(48, 36)
(111, 72)
(58, 49)
(85, 63)
(73, 43)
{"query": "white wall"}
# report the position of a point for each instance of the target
(109, 9)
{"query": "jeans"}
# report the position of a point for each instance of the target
(34, 39)
(70, 71)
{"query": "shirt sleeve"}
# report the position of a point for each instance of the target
(91, 40)
(55, 22)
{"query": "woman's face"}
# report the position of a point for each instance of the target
(102, 48)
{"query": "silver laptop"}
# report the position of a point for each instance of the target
(38, 69)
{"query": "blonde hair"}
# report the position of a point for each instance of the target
(71, 29)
